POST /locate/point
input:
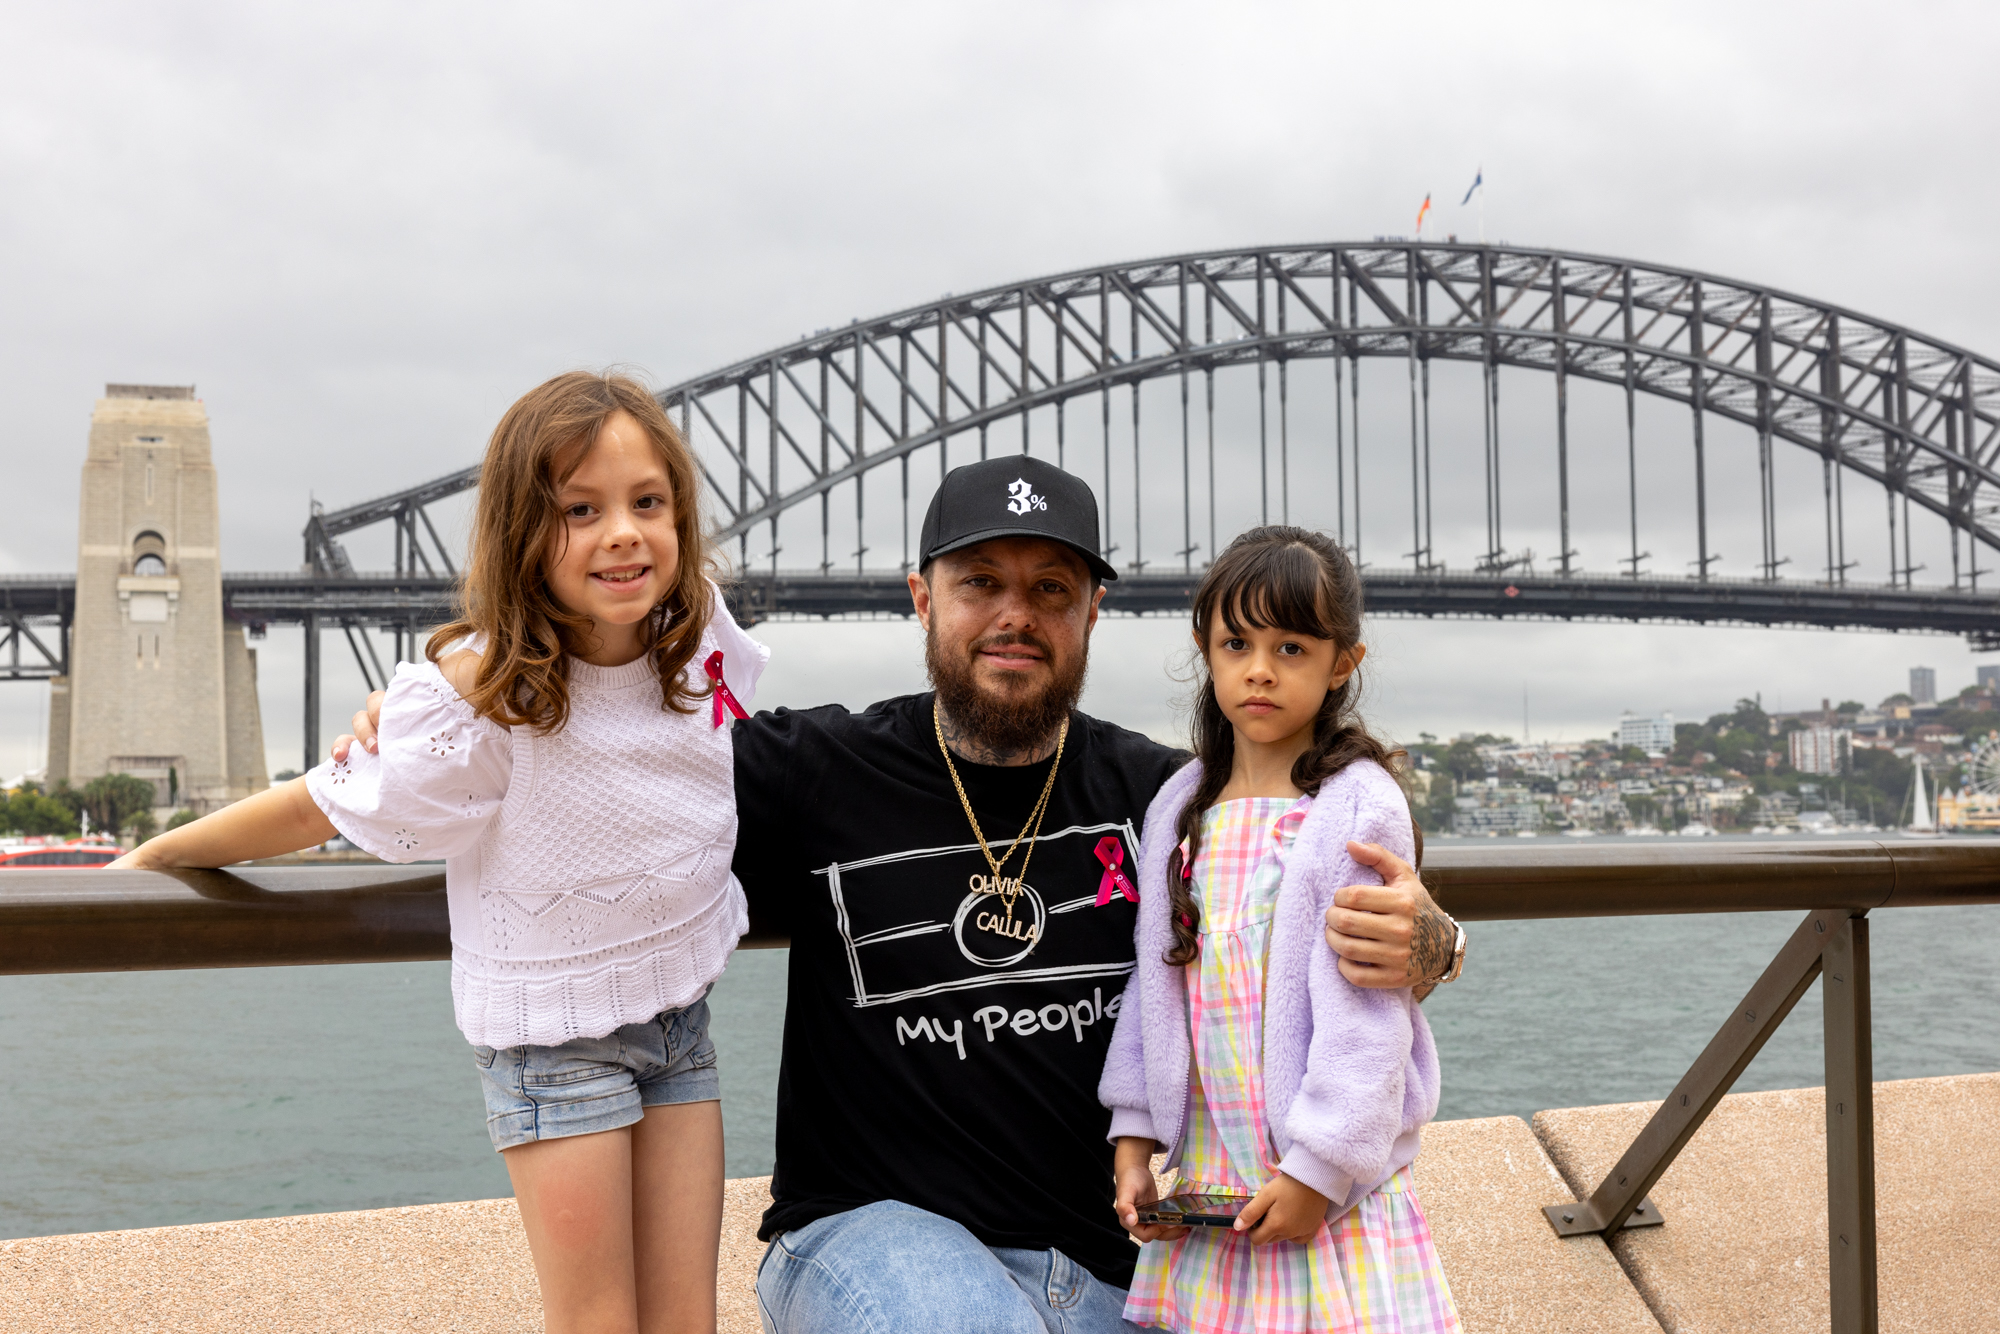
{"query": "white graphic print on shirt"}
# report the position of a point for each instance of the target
(896, 952)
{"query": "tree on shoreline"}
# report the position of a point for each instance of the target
(29, 810)
(114, 799)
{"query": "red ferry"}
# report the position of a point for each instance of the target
(73, 853)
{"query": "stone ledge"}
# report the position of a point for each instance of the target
(437, 1267)
(1743, 1248)
(1744, 1243)
(427, 1269)
(465, 1267)
(1483, 1184)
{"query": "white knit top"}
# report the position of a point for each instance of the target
(587, 872)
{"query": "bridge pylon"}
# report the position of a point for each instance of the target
(161, 684)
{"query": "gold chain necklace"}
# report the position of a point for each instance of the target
(1008, 890)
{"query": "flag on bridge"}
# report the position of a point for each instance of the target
(1478, 179)
(1421, 213)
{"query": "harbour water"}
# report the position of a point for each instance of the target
(142, 1099)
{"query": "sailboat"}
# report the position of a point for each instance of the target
(1921, 823)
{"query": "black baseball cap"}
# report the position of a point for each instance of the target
(1014, 496)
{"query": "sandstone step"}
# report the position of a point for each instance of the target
(1744, 1243)
(1743, 1250)
(1483, 1184)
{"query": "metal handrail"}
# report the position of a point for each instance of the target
(79, 920)
(1635, 877)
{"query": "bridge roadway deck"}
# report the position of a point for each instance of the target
(291, 597)
(1402, 593)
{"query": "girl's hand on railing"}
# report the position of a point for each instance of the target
(1133, 1176)
(1285, 1210)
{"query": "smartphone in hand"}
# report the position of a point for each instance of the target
(1194, 1210)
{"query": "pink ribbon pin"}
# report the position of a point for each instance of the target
(721, 695)
(1112, 853)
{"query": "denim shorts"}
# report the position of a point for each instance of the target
(587, 1085)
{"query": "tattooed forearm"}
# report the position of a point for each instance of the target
(1432, 939)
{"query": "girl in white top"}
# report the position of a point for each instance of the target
(564, 750)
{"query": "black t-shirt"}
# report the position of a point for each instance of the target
(940, 1049)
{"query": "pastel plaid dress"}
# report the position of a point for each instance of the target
(1374, 1269)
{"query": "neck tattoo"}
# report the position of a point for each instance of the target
(971, 746)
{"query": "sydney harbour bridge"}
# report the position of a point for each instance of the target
(1201, 393)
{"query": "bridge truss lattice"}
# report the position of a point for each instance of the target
(1916, 417)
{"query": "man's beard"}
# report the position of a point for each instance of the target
(1009, 722)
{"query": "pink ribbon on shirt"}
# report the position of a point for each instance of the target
(1112, 853)
(721, 694)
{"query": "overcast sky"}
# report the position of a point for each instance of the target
(363, 229)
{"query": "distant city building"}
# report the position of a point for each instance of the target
(1652, 735)
(1820, 750)
(1543, 759)
(1508, 819)
(1778, 807)
(1989, 676)
(1923, 685)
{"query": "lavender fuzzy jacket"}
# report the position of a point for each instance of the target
(1350, 1074)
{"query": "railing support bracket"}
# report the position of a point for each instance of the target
(1576, 1220)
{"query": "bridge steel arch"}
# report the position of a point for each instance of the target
(1917, 417)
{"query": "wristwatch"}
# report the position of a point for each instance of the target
(1457, 959)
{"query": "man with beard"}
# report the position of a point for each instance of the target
(953, 870)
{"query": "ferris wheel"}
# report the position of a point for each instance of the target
(1982, 768)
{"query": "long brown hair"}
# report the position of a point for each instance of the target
(523, 676)
(1295, 580)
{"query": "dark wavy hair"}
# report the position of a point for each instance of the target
(1295, 580)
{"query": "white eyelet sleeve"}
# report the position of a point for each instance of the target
(437, 782)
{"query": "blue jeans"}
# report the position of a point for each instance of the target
(889, 1267)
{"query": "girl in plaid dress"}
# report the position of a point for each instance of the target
(1240, 1050)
